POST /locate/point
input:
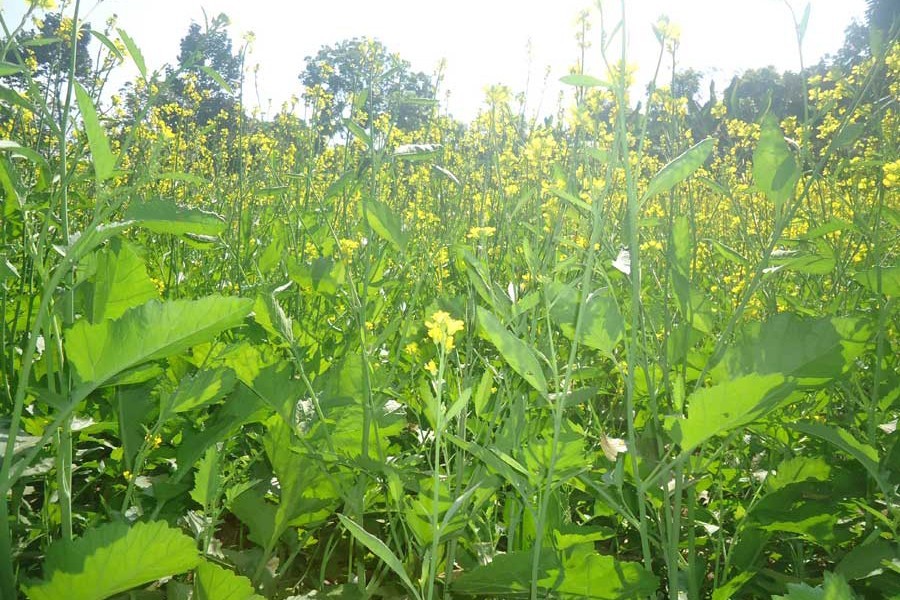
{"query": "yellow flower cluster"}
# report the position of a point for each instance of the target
(441, 329)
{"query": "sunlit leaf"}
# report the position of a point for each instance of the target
(113, 558)
(153, 330)
(729, 405)
(163, 216)
(212, 582)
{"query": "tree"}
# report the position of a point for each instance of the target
(756, 91)
(336, 74)
(206, 54)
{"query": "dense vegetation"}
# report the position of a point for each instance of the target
(636, 349)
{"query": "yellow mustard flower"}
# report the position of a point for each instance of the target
(431, 367)
(441, 329)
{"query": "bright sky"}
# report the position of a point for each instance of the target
(484, 42)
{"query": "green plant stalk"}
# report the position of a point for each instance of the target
(436, 473)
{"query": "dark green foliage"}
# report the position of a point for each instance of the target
(365, 66)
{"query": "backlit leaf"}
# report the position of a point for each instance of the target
(104, 161)
(679, 169)
(775, 170)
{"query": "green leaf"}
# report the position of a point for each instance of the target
(212, 582)
(196, 390)
(379, 549)
(120, 283)
(7, 69)
(162, 216)
(587, 574)
(602, 326)
(583, 81)
(506, 574)
(775, 170)
(729, 405)
(417, 152)
(865, 454)
(813, 350)
(801, 262)
(679, 169)
(206, 481)
(867, 559)
(215, 76)
(834, 588)
(517, 353)
(113, 558)
(135, 52)
(257, 514)
(385, 223)
(104, 161)
(154, 330)
(731, 587)
(884, 280)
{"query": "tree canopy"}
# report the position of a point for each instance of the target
(338, 73)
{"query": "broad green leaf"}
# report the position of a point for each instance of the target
(801, 262)
(587, 574)
(206, 481)
(797, 470)
(680, 262)
(729, 405)
(602, 326)
(17, 150)
(867, 559)
(804, 21)
(212, 582)
(120, 282)
(583, 81)
(506, 574)
(385, 223)
(134, 51)
(775, 170)
(108, 43)
(379, 549)
(844, 440)
(731, 587)
(148, 332)
(104, 161)
(814, 351)
(197, 389)
(257, 514)
(162, 216)
(885, 280)
(514, 351)
(7, 69)
(679, 169)
(834, 588)
(113, 558)
(323, 276)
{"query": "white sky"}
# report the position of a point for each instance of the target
(483, 41)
